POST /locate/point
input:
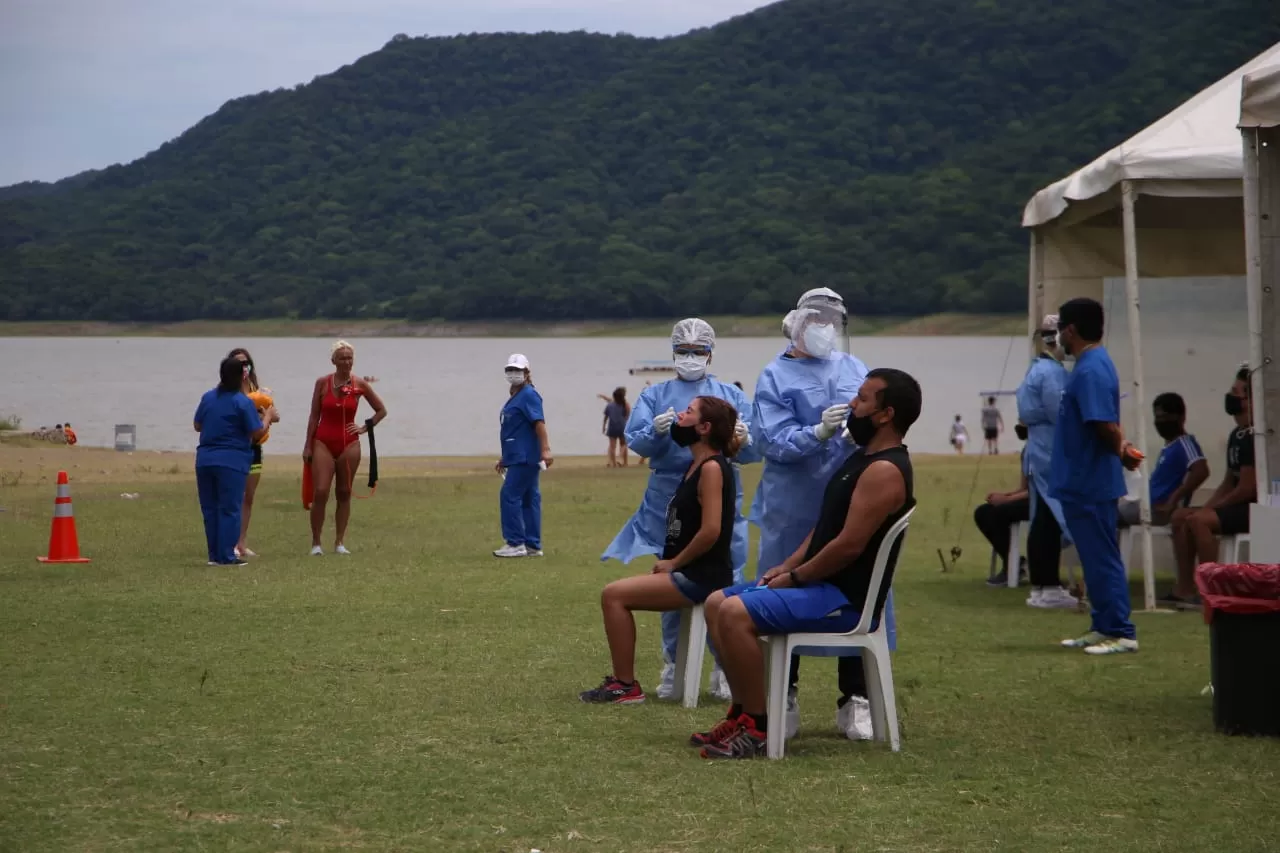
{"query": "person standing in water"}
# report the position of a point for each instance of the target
(332, 447)
(616, 412)
(649, 434)
(526, 452)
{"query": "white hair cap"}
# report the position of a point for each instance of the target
(1050, 323)
(337, 345)
(693, 332)
(787, 323)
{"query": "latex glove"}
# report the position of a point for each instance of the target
(832, 421)
(662, 423)
(848, 439)
(741, 433)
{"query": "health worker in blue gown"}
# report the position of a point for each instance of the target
(801, 404)
(1039, 397)
(648, 434)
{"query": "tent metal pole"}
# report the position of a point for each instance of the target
(1129, 195)
(1259, 296)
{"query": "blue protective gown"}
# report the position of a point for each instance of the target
(1038, 399)
(646, 532)
(791, 395)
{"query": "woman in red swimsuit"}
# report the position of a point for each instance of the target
(333, 440)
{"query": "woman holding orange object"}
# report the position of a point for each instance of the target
(332, 449)
(262, 401)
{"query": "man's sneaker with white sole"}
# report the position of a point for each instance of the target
(507, 551)
(1090, 639)
(1053, 598)
(719, 687)
(1112, 646)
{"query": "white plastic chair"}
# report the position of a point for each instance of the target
(1127, 535)
(1231, 547)
(875, 658)
(690, 648)
(1017, 532)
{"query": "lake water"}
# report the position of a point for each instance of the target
(442, 395)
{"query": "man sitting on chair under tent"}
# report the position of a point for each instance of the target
(825, 585)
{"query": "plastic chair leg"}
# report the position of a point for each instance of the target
(779, 664)
(884, 683)
(1015, 554)
(697, 642)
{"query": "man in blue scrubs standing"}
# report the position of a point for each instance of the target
(1089, 451)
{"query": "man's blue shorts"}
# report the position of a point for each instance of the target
(819, 608)
(691, 589)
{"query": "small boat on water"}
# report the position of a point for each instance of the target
(645, 367)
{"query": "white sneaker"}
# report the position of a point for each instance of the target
(511, 551)
(1033, 600)
(1055, 598)
(720, 685)
(854, 719)
(317, 551)
(529, 552)
(667, 682)
(1112, 646)
(342, 549)
(793, 715)
(1090, 639)
(245, 553)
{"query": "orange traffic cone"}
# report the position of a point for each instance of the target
(64, 547)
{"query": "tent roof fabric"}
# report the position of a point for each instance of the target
(1260, 98)
(1198, 141)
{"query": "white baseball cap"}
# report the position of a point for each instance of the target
(517, 362)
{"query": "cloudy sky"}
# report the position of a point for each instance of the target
(88, 83)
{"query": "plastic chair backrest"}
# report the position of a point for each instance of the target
(877, 574)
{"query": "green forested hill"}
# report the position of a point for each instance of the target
(880, 147)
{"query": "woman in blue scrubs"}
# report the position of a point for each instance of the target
(526, 452)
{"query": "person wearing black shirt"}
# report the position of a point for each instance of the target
(696, 560)
(1226, 513)
(824, 585)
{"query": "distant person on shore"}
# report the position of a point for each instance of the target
(616, 412)
(992, 426)
(332, 446)
(649, 434)
(68, 433)
(228, 425)
(262, 401)
(526, 452)
(959, 435)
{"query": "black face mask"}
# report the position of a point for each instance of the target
(1168, 430)
(861, 429)
(684, 435)
(1233, 404)
(1020, 430)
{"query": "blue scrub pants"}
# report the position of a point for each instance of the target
(221, 492)
(1093, 528)
(521, 504)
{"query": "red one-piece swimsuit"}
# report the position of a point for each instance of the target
(338, 407)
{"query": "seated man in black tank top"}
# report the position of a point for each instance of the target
(696, 560)
(824, 586)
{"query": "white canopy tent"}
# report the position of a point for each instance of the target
(1187, 169)
(1260, 129)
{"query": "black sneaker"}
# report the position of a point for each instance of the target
(1177, 602)
(1002, 579)
(746, 742)
(613, 692)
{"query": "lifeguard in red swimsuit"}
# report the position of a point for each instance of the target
(333, 441)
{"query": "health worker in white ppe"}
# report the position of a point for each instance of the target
(648, 434)
(797, 425)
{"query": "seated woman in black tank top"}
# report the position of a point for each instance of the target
(696, 560)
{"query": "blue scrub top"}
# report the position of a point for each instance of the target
(520, 445)
(227, 423)
(1084, 470)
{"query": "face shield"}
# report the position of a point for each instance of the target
(692, 341)
(819, 326)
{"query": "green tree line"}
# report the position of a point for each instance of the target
(882, 148)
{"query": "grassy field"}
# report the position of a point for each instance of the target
(420, 695)
(729, 327)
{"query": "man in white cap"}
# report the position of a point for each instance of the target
(526, 451)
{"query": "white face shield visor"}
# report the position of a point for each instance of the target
(820, 328)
